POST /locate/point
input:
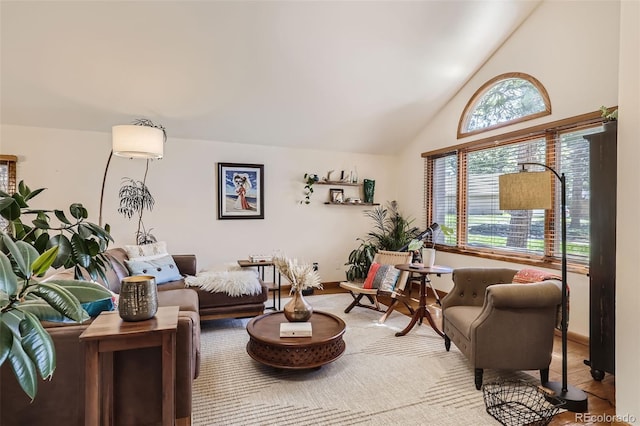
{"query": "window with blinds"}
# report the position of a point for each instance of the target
(7, 179)
(462, 192)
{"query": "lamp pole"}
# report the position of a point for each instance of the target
(574, 398)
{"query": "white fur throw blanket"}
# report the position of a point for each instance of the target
(234, 283)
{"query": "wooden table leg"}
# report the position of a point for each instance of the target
(421, 312)
(92, 385)
(168, 378)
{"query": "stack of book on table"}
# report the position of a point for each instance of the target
(295, 329)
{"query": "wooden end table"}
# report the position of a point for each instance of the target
(422, 311)
(273, 286)
(109, 333)
(324, 346)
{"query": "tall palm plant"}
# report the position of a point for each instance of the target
(392, 230)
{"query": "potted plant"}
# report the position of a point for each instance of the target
(360, 260)
(392, 231)
(309, 180)
(609, 114)
(135, 197)
(24, 301)
(80, 243)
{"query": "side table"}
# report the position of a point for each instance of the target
(273, 286)
(422, 311)
(109, 333)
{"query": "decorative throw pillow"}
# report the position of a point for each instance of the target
(164, 268)
(94, 308)
(528, 276)
(147, 251)
(382, 277)
(368, 282)
(386, 278)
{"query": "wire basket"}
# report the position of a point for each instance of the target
(518, 403)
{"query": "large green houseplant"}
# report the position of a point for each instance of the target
(24, 301)
(80, 243)
(391, 231)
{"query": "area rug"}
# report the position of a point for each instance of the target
(379, 380)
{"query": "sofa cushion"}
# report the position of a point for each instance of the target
(186, 299)
(461, 318)
(147, 251)
(163, 268)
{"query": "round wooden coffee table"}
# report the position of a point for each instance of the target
(324, 346)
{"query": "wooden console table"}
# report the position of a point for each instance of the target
(109, 333)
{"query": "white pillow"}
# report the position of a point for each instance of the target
(147, 251)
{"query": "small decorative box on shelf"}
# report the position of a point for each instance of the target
(260, 258)
(295, 329)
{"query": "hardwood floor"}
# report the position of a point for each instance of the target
(601, 395)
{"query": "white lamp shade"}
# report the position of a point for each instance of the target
(525, 190)
(133, 141)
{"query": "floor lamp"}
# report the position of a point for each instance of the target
(141, 140)
(533, 190)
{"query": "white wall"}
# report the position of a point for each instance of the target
(71, 165)
(628, 204)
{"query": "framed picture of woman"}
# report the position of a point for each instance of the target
(240, 191)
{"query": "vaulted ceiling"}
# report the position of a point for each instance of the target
(358, 76)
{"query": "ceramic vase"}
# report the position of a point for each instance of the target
(369, 187)
(138, 298)
(297, 309)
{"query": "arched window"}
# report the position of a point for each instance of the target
(506, 99)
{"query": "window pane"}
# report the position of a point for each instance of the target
(445, 195)
(507, 100)
(574, 163)
(487, 225)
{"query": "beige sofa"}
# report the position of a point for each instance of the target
(500, 325)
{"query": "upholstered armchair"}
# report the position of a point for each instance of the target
(500, 325)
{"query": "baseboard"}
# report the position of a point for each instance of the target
(574, 337)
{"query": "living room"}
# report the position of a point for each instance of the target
(584, 53)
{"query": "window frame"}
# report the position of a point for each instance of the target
(547, 131)
(471, 104)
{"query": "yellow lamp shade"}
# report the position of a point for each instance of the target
(525, 190)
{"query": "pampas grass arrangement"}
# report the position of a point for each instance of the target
(301, 276)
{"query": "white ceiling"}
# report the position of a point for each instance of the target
(358, 76)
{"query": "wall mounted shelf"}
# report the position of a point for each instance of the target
(352, 204)
(337, 183)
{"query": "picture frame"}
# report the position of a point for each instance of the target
(240, 191)
(336, 195)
